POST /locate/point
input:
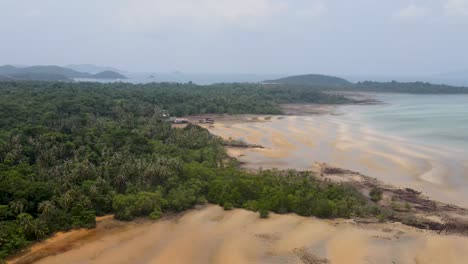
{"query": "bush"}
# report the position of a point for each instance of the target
(202, 200)
(396, 206)
(407, 206)
(156, 214)
(129, 206)
(251, 205)
(228, 206)
(375, 194)
(264, 213)
(382, 218)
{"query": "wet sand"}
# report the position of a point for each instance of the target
(212, 235)
(300, 141)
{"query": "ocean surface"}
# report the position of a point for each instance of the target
(434, 120)
(197, 78)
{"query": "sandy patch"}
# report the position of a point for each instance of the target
(299, 141)
(211, 235)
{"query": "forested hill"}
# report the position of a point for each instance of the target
(109, 75)
(52, 73)
(312, 80)
(329, 83)
(407, 87)
(51, 69)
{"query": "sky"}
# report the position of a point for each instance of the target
(345, 37)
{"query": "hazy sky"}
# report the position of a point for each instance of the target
(380, 37)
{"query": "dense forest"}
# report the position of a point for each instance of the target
(408, 87)
(72, 151)
(370, 86)
(329, 83)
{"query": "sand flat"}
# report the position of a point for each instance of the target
(212, 235)
(299, 141)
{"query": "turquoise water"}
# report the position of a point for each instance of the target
(434, 120)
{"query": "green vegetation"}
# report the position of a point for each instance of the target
(375, 194)
(178, 99)
(312, 79)
(73, 151)
(264, 213)
(411, 87)
(391, 87)
(322, 83)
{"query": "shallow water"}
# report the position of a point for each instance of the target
(436, 120)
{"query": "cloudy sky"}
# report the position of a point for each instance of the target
(347, 37)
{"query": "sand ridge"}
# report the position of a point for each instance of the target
(299, 141)
(211, 235)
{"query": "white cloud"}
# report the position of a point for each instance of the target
(456, 7)
(411, 12)
(200, 14)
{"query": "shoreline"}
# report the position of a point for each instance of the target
(427, 211)
(239, 236)
(299, 141)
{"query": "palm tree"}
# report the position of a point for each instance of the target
(26, 223)
(66, 200)
(120, 181)
(46, 208)
(32, 228)
(17, 207)
(40, 228)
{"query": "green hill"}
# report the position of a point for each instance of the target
(109, 75)
(408, 87)
(91, 68)
(9, 70)
(312, 79)
(52, 73)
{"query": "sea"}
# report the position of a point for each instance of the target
(436, 120)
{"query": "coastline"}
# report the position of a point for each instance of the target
(343, 141)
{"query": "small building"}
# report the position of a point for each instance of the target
(180, 121)
(206, 121)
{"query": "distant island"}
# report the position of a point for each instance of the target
(52, 73)
(91, 68)
(311, 79)
(330, 83)
(109, 75)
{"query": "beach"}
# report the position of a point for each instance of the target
(299, 142)
(209, 234)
